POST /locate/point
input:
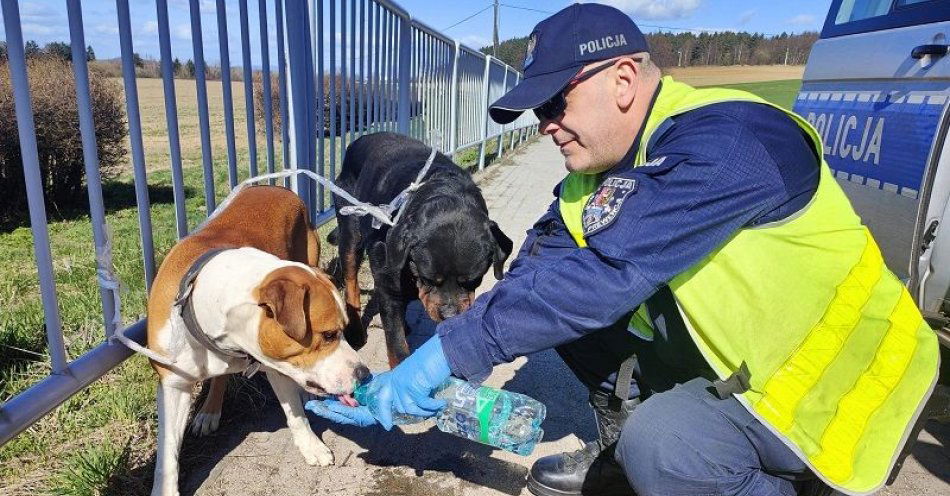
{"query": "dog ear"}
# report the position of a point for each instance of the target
(284, 301)
(398, 242)
(503, 247)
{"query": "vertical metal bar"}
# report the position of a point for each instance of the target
(135, 139)
(314, 190)
(171, 118)
(484, 112)
(397, 72)
(283, 93)
(226, 89)
(248, 88)
(427, 85)
(87, 129)
(341, 75)
(454, 95)
(417, 82)
(445, 87)
(390, 73)
(321, 99)
(265, 75)
(301, 95)
(333, 106)
(316, 51)
(352, 78)
(377, 63)
(204, 123)
(394, 71)
(501, 130)
(363, 66)
(385, 63)
(34, 184)
(377, 71)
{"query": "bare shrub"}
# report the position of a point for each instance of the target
(58, 138)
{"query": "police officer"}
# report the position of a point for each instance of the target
(703, 274)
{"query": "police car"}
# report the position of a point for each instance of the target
(877, 89)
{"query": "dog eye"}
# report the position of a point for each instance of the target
(330, 335)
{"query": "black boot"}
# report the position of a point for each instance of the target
(591, 470)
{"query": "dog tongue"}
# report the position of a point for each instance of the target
(348, 400)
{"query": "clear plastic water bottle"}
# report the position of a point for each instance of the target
(503, 419)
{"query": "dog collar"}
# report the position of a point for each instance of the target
(183, 300)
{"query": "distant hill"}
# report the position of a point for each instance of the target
(706, 48)
(510, 51)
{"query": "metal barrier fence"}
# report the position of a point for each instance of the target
(387, 72)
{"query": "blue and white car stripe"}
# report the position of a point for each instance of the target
(880, 139)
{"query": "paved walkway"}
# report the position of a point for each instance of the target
(254, 455)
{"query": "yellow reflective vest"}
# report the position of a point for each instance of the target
(840, 361)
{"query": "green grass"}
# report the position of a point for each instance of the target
(781, 93)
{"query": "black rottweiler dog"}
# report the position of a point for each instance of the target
(437, 252)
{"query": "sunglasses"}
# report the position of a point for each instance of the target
(557, 104)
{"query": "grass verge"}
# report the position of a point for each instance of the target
(781, 93)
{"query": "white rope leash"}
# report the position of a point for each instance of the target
(105, 273)
(397, 203)
(359, 207)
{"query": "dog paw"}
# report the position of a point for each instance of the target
(315, 452)
(205, 423)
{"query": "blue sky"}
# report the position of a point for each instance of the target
(45, 20)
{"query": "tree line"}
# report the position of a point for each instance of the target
(706, 48)
(55, 49)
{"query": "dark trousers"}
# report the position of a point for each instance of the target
(683, 439)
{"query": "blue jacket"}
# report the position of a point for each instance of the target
(728, 166)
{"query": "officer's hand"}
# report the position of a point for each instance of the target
(332, 409)
(407, 389)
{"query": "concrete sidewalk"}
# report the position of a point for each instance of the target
(253, 454)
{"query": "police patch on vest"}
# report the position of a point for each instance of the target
(603, 206)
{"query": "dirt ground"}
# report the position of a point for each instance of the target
(710, 75)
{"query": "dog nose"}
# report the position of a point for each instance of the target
(447, 311)
(361, 372)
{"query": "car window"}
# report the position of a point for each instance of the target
(856, 10)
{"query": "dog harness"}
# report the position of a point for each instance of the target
(184, 301)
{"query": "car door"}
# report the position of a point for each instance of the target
(876, 87)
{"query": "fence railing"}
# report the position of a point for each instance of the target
(344, 68)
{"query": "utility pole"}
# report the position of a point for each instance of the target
(494, 49)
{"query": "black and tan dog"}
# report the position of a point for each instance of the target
(437, 252)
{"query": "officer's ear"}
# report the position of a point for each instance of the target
(628, 72)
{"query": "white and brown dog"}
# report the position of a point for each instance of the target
(244, 292)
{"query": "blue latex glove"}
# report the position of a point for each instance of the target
(332, 409)
(407, 389)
